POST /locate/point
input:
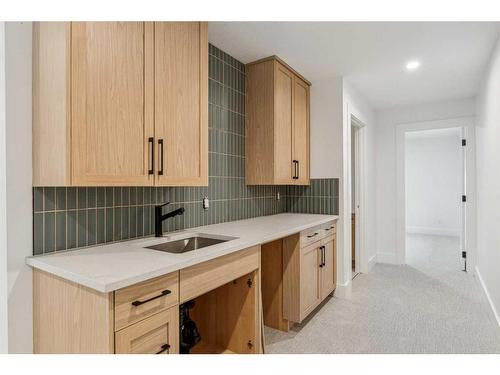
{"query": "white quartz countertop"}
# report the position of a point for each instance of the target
(113, 266)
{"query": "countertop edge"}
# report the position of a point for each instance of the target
(36, 262)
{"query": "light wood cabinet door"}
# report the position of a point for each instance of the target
(158, 334)
(283, 129)
(181, 103)
(309, 279)
(111, 103)
(328, 270)
(301, 130)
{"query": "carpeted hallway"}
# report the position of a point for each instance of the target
(414, 308)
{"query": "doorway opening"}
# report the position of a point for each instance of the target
(356, 183)
(434, 190)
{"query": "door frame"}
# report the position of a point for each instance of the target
(469, 236)
(359, 135)
(359, 188)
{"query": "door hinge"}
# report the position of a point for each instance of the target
(464, 198)
(464, 142)
(249, 283)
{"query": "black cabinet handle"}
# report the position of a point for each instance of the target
(312, 235)
(164, 347)
(323, 258)
(327, 229)
(298, 169)
(163, 293)
(295, 171)
(151, 142)
(160, 143)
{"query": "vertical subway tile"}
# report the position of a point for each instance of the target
(71, 198)
(125, 223)
(117, 226)
(109, 197)
(82, 197)
(38, 199)
(100, 226)
(49, 236)
(38, 233)
(118, 196)
(101, 197)
(71, 229)
(60, 198)
(82, 229)
(49, 198)
(109, 213)
(140, 221)
(133, 222)
(92, 226)
(61, 230)
(126, 196)
(91, 197)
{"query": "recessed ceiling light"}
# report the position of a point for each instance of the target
(412, 65)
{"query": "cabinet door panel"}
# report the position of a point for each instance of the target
(111, 103)
(309, 280)
(151, 335)
(301, 129)
(283, 166)
(328, 270)
(181, 102)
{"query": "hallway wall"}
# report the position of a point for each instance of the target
(433, 184)
(385, 160)
(488, 181)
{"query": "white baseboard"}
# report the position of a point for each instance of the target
(433, 231)
(485, 289)
(344, 291)
(371, 262)
(385, 257)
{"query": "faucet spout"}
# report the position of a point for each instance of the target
(159, 217)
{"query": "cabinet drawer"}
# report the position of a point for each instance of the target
(317, 233)
(203, 277)
(141, 300)
(158, 334)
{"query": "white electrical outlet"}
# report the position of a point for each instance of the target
(206, 203)
(278, 197)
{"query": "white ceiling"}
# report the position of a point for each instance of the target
(372, 55)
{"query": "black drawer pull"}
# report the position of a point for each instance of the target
(164, 347)
(312, 235)
(327, 229)
(163, 293)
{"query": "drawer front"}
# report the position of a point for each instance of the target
(141, 300)
(204, 277)
(311, 235)
(158, 334)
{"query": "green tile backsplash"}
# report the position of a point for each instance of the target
(67, 218)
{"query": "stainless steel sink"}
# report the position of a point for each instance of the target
(187, 244)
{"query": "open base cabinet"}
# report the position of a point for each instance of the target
(227, 318)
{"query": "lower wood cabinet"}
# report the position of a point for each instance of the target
(309, 270)
(144, 318)
(158, 334)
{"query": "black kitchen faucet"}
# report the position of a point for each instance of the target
(159, 217)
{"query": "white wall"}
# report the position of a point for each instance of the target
(354, 104)
(433, 185)
(333, 101)
(3, 203)
(19, 191)
(385, 160)
(326, 128)
(488, 181)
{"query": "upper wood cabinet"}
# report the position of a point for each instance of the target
(277, 131)
(120, 103)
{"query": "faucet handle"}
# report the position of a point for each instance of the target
(162, 205)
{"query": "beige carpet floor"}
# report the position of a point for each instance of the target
(421, 307)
